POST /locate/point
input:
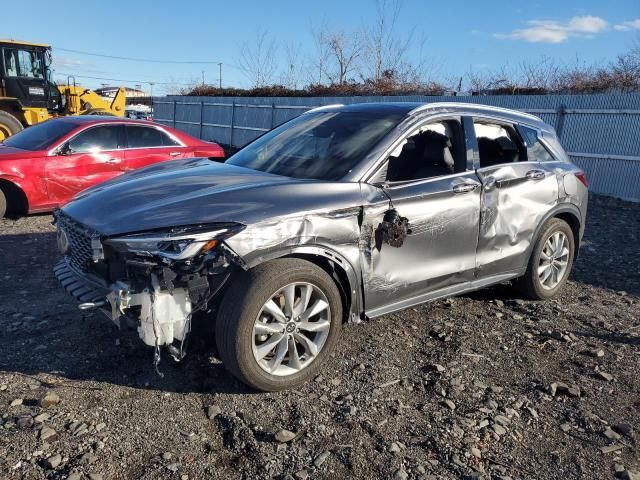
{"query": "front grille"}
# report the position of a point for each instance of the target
(80, 254)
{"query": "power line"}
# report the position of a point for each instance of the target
(123, 80)
(132, 59)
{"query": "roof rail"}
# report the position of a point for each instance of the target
(478, 106)
(325, 107)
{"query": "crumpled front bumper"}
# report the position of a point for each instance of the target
(80, 287)
(164, 315)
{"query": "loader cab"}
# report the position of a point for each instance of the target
(25, 75)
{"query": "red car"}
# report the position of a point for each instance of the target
(44, 166)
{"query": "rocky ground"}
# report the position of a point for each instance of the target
(481, 386)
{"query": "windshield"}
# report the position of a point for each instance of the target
(322, 145)
(40, 136)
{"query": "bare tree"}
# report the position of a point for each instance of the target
(541, 75)
(626, 69)
(385, 50)
(292, 71)
(320, 59)
(172, 87)
(258, 60)
(344, 50)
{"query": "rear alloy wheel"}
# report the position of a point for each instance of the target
(9, 125)
(551, 261)
(278, 323)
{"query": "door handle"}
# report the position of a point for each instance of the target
(174, 154)
(535, 174)
(465, 187)
(112, 161)
(489, 182)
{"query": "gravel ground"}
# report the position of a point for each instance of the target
(485, 385)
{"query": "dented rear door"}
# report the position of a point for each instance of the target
(516, 196)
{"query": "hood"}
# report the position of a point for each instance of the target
(197, 191)
(12, 153)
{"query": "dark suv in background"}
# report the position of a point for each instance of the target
(342, 214)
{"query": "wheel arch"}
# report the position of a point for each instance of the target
(570, 214)
(338, 268)
(574, 222)
(17, 201)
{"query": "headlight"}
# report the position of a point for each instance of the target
(176, 244)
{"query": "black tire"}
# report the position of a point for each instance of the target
(243, 301)
(9, 125)
(530, 284)
(3, 204)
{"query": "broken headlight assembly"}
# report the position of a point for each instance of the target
(176, 244)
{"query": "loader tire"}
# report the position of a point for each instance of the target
(9, 125)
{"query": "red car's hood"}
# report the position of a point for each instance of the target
(11, 153)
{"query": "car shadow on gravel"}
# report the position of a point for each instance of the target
(45, 333)
(613, 337)
(119, 361)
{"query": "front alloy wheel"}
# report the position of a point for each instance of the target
(278, 323)
(291, 329)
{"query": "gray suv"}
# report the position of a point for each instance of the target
(342, 214)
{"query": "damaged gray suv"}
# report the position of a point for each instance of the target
(342, 214)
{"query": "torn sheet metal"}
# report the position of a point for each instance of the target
(439, 249)
(338, 230)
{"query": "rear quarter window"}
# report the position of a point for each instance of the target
(139, 136)
(536, 151)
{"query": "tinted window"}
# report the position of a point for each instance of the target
(536, 151)
(141, 137)
(497, 144)
(321, 145)
(434, 150)
(96, 139)
(40, 136)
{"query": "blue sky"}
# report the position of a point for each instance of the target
(459, 35)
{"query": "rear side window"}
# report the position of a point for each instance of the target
(536, 151)
(97, 139)
(498, 143)
(145, 137)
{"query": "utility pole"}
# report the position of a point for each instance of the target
(220, 76)
(203, 78)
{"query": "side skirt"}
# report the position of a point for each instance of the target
(442, 293)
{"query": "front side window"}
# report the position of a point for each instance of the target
(22, 63)
(146, 137)
(320, 145)
(434, 150)
(96, 139)
(536, 151)
(498, 143)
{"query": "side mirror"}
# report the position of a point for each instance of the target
(64, 150)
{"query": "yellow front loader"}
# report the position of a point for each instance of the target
(29, 96)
